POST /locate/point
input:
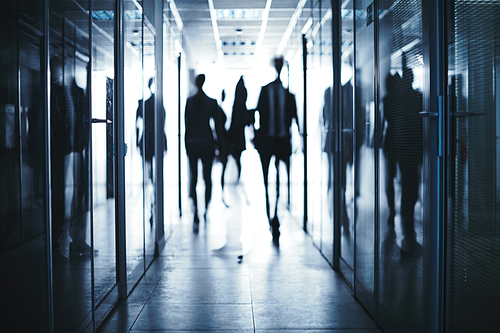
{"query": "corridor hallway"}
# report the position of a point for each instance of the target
(199, 284)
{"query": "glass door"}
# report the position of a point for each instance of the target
(364, 45)
(473, 240)
(349, 166)
(102, 156)
(400, 145)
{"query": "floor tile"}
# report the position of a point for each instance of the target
(195, 317)
(311, 316)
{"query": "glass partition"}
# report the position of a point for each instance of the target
(69, 114)
(352, 139)
(23, 181)
(149, 77)
(400, 162)
(134, 139)
(472, 261)
(102, 157)
(365, 103)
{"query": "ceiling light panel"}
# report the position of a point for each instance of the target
(241, 4)
(239, 14)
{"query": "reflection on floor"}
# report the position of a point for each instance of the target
(199, 282)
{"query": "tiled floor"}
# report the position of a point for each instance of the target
(199, 284)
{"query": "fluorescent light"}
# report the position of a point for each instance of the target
(213, 18)
(177, 17)
(263, 26)
(307, 26)
(239, 14)
(291, 26)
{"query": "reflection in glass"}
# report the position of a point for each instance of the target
(473, 242)
(134, 174)
(401, 154)
(103, 159)
(365, 158)
(148, 136)
(351, 144)
(69, 119)
(23, 200)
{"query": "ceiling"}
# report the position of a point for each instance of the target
(236, 33)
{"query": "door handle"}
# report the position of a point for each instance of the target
(97, 120)
(429, 114)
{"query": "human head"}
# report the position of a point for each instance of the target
(199, 81)
(150, 85)
(278, 64)
(240, 95)
(56, 70)
(407, 75)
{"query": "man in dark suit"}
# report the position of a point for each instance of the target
(276, 109)
(200, 141)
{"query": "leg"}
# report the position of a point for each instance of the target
(410, 184)
(390, 174)
(238, 163)
(193, 169)
(222, 178)
(277, 165)
(265, 159)
(207, 161)
(287, 164)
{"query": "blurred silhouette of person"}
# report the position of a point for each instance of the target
(403, 149)
(411, 159)
(347, 148)
(277, 109)
(62, 126)
(240, 118)
(222, 152)
(392, 114)
(200, 141)
(145, 139)
(80, 241)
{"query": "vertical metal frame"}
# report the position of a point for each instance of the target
(376, 155)
(119, 122)
(435, 62)
(304, 131)
(48, 192)
(354, 96)
(91, 165)
(179, 62)
(337, 109)
(159, 123)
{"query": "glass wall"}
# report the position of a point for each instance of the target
(102, 154)
(472, 247)
(134, 115)
(58, 236)
(364, 48)
(171, 77)
(400, 89)
(351, 139)
(24, 291)
(69, 57)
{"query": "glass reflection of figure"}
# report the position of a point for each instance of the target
(62, 136)
(391, 108)
(145, 139)
(403, 149)
(80, 231)
(328, 127)
(347, 149)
